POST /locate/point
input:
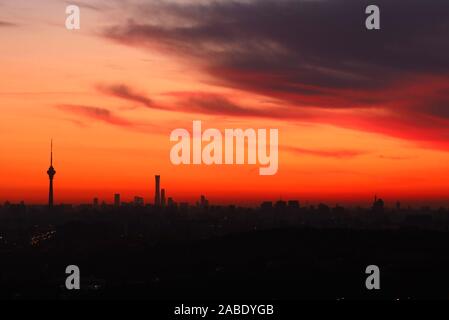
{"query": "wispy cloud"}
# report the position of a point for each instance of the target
(109, 117)
(7, 24)
(336, 153)
(215, 104)
(96, 113)
(191, 101)
(388, 157)
(83, 4)
(125, 92)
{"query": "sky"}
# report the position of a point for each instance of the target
(359, 112)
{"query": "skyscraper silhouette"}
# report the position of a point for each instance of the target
(157, 195)
(163, 197)
(51, 173)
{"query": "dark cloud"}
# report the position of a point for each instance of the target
(301, 43)
(313, 55)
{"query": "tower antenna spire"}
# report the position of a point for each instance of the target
(51, 152)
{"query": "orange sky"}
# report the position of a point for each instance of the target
(110, 107)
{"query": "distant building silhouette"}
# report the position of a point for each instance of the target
(266, 205)
(51, 173)
(117, 200)
(157, 192)
(378, 204)
(323, 208)
(294, 204)
(280, 205)
(183, 206)
(138, 201)
(338, 209)
(95, 203)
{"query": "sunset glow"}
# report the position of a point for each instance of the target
(358, 114)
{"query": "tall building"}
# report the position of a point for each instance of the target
(117, 200)
(157, 194)
(51, 173)
(163, 198)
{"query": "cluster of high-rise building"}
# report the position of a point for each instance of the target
(159, 197)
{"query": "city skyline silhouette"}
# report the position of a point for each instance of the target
(159, 195)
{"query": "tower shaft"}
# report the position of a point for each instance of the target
(51, 173)
(50, 194)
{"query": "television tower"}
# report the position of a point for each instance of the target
(51, 173)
